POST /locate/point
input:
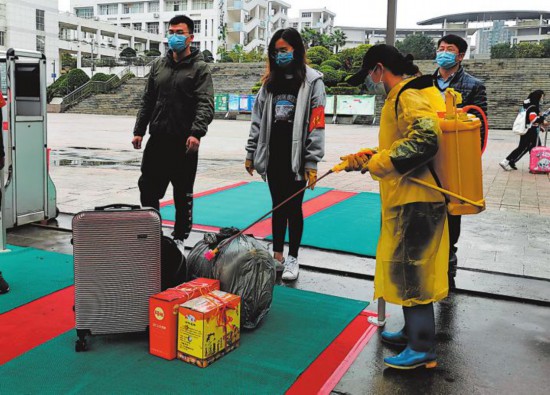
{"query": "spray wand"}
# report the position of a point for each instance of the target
(211, 254)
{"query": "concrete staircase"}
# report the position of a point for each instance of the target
(123, 101)
(238, 78)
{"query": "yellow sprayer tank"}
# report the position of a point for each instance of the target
(458, 161)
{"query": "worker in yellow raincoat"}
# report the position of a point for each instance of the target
(413, 250)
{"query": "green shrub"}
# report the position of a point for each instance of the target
(100, 77)
(58, 88)
(332, 63)
(318, 54)
(344, 90)
(76, 78)
(256, 88)
(128, 53)
(546, 47)
(152, 52)
(331, 77)
(528, 50)
(315, 66)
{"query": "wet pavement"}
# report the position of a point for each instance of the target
(485, 346)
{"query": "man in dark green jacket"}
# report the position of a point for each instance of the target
(178, 106)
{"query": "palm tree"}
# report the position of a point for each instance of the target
(309, 37)
(338, 39)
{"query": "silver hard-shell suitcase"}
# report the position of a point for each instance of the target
(116, 269)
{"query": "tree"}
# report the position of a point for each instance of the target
(420, 46)
(338, 39)
(128, 53)
(528, 50)
(318, 54)
(310, 37)
(502, 51)
(546, 47)
(68, 61)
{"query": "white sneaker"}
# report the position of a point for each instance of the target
(504, 165)
(181, 245)
(291, 269)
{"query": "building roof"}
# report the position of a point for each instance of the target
(483, 16)
(317, 10)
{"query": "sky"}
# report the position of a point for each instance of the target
(372, 13)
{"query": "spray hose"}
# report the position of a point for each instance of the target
(211, 254)
(485, 122)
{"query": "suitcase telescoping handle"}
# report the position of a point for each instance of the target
(118, 206)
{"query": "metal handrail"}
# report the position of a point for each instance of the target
(92, 87)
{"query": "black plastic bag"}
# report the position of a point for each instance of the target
(197, 265)
(245, 268)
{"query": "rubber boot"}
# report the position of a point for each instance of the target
(410, 359)
(395, 338)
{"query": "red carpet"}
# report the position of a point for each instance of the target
(34, 323)
(332, 364)
(263, 229)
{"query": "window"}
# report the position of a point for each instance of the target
(307, 24)
(153, 27)
(295, 25)
(108, 9)
(306, 14)
(177, 5)
(137, 26)
(206, 27)
(154, 6)
(40, 20)
(203, 4)
(196, 44)
(197, 27)
(86, 12)
(41, 43)
(2, 38)
(132, 8)
(125, 25)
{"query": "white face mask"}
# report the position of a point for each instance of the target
(379, 88)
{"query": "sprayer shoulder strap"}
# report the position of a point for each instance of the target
(422, 82)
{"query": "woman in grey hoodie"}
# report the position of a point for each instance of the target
(287, 138)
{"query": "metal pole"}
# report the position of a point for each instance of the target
(391, 27)
(391, 24)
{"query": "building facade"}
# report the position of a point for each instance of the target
(497, 27)
(91, 40)
(31, 25)
(218, 23)
(319, 19)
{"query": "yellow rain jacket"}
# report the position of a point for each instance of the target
(413, 250)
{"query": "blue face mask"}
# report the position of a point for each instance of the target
(177, 43)
(446, 60)
(284, 58)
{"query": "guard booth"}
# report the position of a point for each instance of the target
(29, 194)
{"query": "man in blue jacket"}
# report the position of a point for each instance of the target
(450, 74)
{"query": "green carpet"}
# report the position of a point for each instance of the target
(237, 207)
(299, 327)
(352, 225)
(33, 273)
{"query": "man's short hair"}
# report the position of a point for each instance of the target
(183, 19)
(460, 43)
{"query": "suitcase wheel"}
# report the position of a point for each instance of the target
(81, 345)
